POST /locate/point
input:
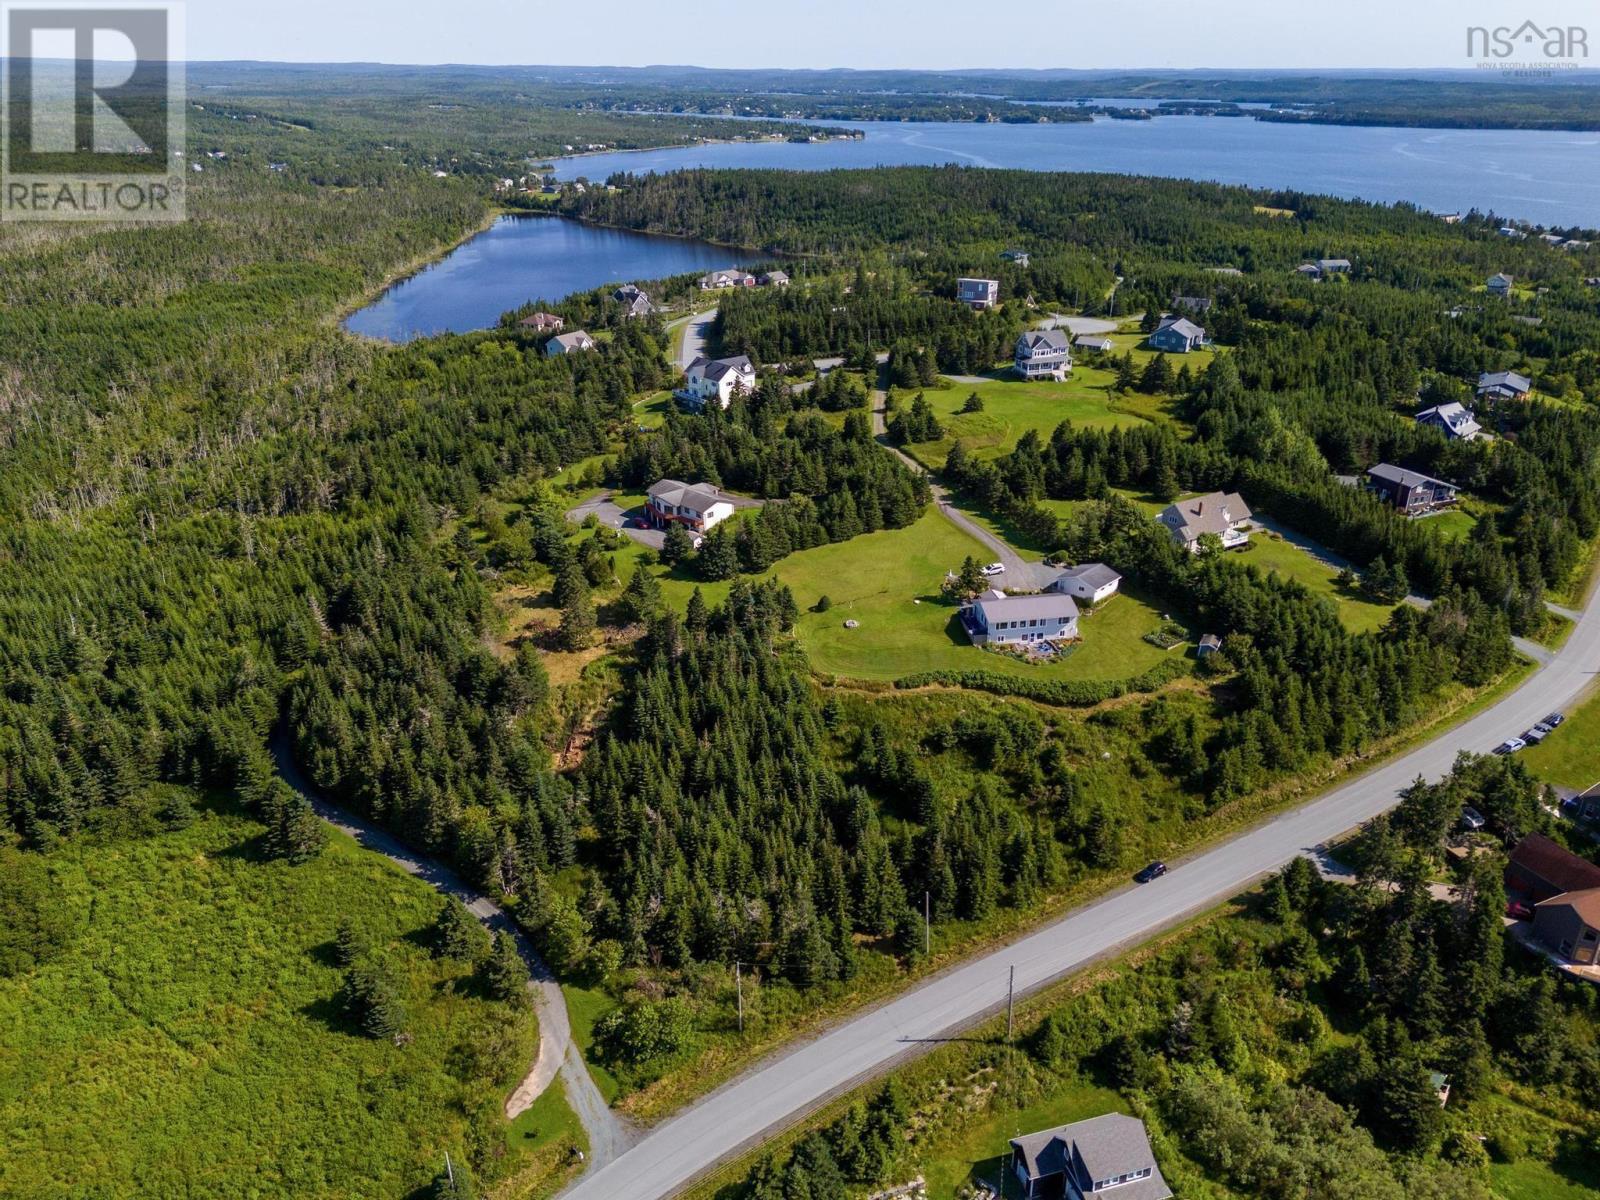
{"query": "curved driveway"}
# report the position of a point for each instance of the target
(780, 1090)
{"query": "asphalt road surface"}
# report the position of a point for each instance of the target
(780, 1090)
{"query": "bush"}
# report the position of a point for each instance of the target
(1062, 692)
(823, 604)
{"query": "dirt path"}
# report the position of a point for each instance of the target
(608, 1137)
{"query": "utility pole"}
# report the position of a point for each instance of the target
(1011, 1004)
(738, 987)
(927, 925)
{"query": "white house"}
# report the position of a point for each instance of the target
(698, 507)
(1455, 420)
(1109, 1154)
(1094, 341)
(1091, 582)
(978, 293)
(1043, 354)
(1222, 513)
(998, 619)
(568, 343)
(732, 277)
(709, 379)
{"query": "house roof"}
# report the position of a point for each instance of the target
(1457, 418)
(1091, 575)
(1042, 339)
(698, 496)
(1309, 269)
(1405, 478)
(987, 284)
(1028, 608)
(1585, 903)
(1211, 642)
(1501, 279)
(1508, 379)
(1557, 866)
(1332, 263)
(629, 292)
(1182, 326)
(715, 368)
(776, 277)
(578, 339)
(539, 320)
(1108, 1146)
(1216, 513)
(1093, 341)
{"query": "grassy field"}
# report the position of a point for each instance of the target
(1570, 757)
(1531, 1179)
(1268, 552)
(1456, 524)
(190, 1040)
(889, 582)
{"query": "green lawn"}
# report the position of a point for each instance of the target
(1534, 1180)
(1271, 553)
(189, 1040)
(1012, 407)
(1456, 524)
(889, 582)
(1570, 756)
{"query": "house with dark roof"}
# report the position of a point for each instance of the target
(1093, 583)
(1503, 385)
(716, 379)
(1194, 304)
(1540, 869)
(997, 619)
(1177, 335)
(543, 322)
(1410, 491)
(569, 343)
(1455, 421)
(978, 293)
(1569, 924)
(696, 506)
(1019, 257)
(1103, 1154)
(1043, 354)
(635, 301)
(1222, 513)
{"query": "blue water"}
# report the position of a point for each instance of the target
(519, 259)
(1551, 178)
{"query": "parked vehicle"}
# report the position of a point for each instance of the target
(1154, 871)
(1511, 746)
(1554, 719)
(1519, 911)
(1535, 735)
(994, 569)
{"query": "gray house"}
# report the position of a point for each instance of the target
(1503, 385)
(1410, 491)
(1043, 354)
(1102, 1154)
(1570, 925)
(1094, 341)
(995, 618)
(978, 293)
(1333, 266)
(1222, 513)
(1177, 335)
(568, 343)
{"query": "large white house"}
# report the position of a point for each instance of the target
(696, 506)
(1043, 354)
(995, 618)
(1222, 513)
(1455, 421)
(569, 343)
(716, 379)
(1091, 582)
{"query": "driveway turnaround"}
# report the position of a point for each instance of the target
(784, 1088)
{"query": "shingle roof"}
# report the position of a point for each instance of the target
(1106, 1147)
(1028, 608)
(1455, 417)
(1091, 575)
(1043, 339)
(1507, 379)
(1585, 903)
(1093, 341)
(698, 496)
(715, 368)
(1404, 477)
(1558, 867)
(576, 340)
(1181, 325)
(1205, 514)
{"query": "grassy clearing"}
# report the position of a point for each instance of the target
(542, 1143)
(1531, 1179)
(1570, 757)
(1012, 407)
(1271, 553)
(190, 1040)
(1456, 525)
(889, 582)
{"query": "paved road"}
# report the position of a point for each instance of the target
(694, 337)
(784, 1088)
(558, 1053)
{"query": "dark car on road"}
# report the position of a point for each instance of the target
(1554, 719)
(1154, 871)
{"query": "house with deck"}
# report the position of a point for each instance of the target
(1503, 385)
(716, 380)
(1455, 421)
(978, 293)
(1410, 491)
(1109, 1154)
(1177, 335)
(698, 507)
(575, 342)
(1092, 583)
(996, 619)
(1043, 354)
(1224, 514)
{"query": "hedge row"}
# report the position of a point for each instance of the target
(1062, 692)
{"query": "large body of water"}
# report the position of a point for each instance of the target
(519, 259)
(1549, 177)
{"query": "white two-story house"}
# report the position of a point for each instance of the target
(716, 380)
(1222, 513)
(698, 507)
(995, 618)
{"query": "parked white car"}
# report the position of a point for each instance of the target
(1511, 746)
(994, 569)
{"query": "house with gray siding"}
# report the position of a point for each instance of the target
(1177, 335)
(996, 619)
(1109, 1154)
(1043, 354)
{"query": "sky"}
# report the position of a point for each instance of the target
(867, 33)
